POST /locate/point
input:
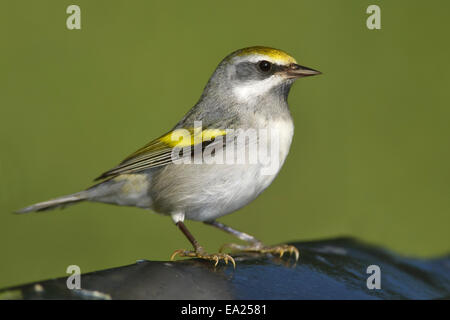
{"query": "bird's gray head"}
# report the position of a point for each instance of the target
(250, 73)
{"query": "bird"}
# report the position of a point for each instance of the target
(247, 95)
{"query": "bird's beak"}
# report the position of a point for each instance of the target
(297, 71)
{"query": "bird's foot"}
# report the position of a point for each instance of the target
(201, 254)
(260, 248)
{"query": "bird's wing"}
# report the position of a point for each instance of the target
(159, 152)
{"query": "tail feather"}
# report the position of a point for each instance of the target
(55, 203)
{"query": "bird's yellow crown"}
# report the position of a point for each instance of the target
(274, 54)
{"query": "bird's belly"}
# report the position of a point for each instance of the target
(206, 192)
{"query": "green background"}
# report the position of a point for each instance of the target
(370, 155)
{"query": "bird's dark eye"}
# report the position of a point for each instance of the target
(264, 66)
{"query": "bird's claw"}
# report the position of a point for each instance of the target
(280, 249)
(203, 255)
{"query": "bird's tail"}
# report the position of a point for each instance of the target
(55, 203)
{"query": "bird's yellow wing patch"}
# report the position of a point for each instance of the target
(178, 138)
(191, 137)
(159, 151)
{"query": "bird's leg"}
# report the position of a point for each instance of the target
(255, 245)
(199, 252)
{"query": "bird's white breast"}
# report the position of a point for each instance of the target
(280, 143)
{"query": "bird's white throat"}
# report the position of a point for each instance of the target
(248, 91)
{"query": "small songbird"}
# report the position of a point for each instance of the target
(172, 175)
